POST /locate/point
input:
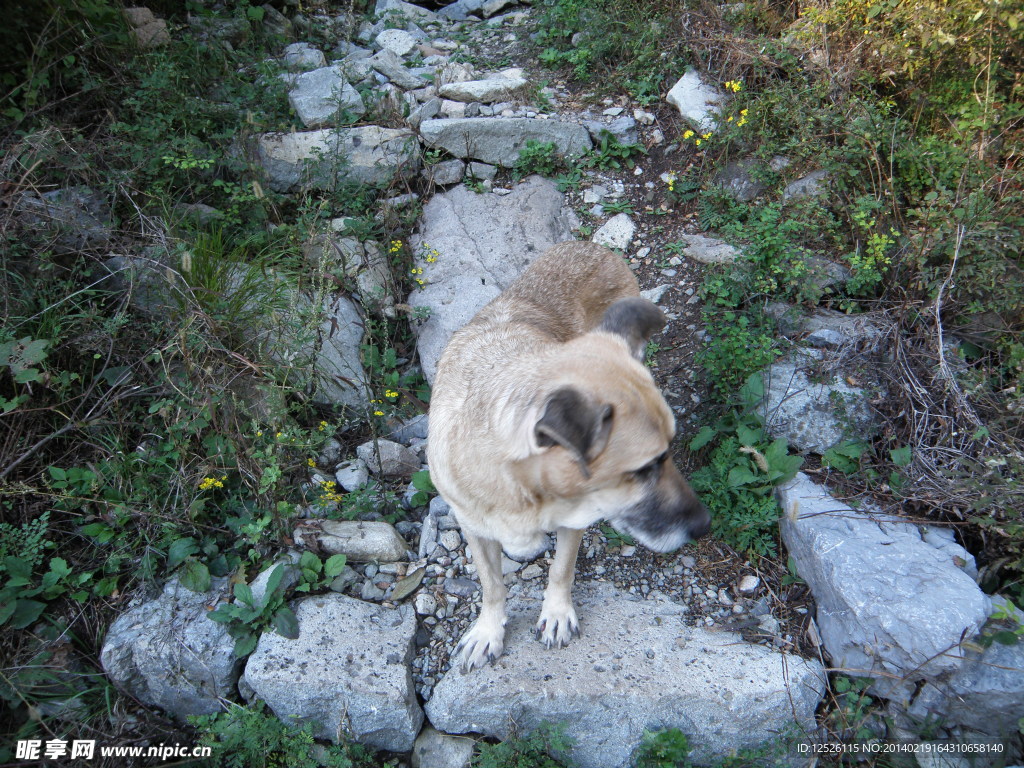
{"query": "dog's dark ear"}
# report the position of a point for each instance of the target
(575, 423)
(635, 320)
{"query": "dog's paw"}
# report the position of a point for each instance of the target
(483, 642)
(557, 625)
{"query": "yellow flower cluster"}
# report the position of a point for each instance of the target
(323, 426)
(377, 411)
(211, 482)
(430, 255)
(733, 85)
(395, 247)
(703, 137)
(310, 463)
(329, 493)
(416, 272)
(390, 394)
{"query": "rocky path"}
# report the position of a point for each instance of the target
(699, 639)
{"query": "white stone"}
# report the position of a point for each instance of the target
(352, 475)
(616, 233)
(748, 584)
(359, 540)
(697, 101)
(320, 97)
(398, 41)
(301, 57)
(434, 749)
(497, 87)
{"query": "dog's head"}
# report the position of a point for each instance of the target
(603, 432)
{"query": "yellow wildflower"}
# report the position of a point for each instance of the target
(687, 134)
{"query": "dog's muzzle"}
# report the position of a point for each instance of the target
(664, 527)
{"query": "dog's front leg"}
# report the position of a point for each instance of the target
(558, 623)
(485, 640)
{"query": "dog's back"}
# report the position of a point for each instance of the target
(563, 293)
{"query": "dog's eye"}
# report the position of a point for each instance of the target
(651, 469)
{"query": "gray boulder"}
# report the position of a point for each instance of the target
(320, 97)
(826, 327)
(697, 101)
(737, 178)
(446, 172)
(483, 242)
(302, 57)
(637, 667)
(167, 652)
(890, 605)
(388, 459)
(409, 10)
(500, 140)
(623, 129)
(811, 185)
(347, 673)
(813, 415)
(709, 250)
(986, 694)
(322, 159)
(341, 379)
(389, 64)
(72, 218)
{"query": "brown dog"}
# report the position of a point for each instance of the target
(544, 418)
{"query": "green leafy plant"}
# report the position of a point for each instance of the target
(610, 153)
(852, 716)
(667, 748)
(545, 747)
(246, 618)
(614, 537)
(540, 157)
(623, 205)
(738, 345)
(744, 467)
(424, 488)
(249, 737)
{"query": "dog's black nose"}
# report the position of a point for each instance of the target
(702, 524)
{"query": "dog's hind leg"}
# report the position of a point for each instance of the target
(485, 640)
(558, 623)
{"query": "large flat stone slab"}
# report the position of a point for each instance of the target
(483, 243)
(499, 140)
(321, 159)
(891, 605)
(637, 666)
(347, 673)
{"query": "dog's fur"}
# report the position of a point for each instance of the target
(544, 418)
